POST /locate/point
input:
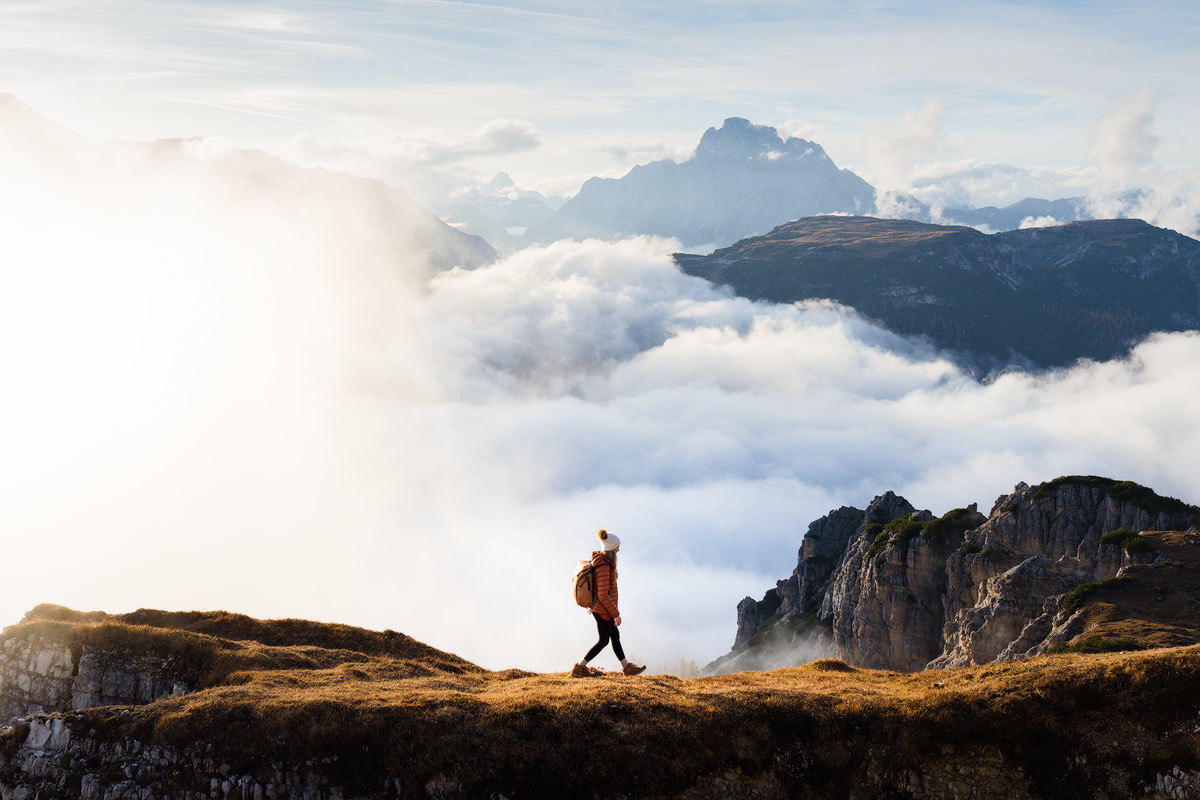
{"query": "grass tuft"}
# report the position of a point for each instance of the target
(1099, 644)
(901, 531)
(1078, 596)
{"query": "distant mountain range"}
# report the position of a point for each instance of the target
(1048, 296)
(1030, 210)
(742, 180)
(498, 211)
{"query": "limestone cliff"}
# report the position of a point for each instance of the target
(885, 603)
(1003, 585)
(900, 589)
(51, 673)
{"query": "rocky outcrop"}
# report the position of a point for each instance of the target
(908, 590)
(801, 592)
(44, 673)
(1038, 544)
(823, 547)
(63, 757)
(118, 679)
(36, 674)
(751, 614)
(783, 628)
(885, 604)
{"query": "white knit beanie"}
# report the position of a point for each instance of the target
(607, 540)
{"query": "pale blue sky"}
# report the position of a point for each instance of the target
(404, 88)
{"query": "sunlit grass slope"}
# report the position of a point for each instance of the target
(1150, 605)
(369, 706)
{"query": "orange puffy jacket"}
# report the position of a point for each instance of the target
(606, 586)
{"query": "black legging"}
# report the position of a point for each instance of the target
(608, 630)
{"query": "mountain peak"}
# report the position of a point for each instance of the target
(502, 180)
(742, 180)
(738, 137)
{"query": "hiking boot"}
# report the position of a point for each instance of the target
(580, 671)
(633, 669)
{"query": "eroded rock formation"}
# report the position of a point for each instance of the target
(900, 589)
(1037, 545)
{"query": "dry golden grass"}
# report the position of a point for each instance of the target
(1159, 604)
(658, 734)
(368, 716)
(241, 628)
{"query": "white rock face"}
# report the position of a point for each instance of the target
(35, 675)
(47, 733)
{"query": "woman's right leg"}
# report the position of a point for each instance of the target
(604, 628)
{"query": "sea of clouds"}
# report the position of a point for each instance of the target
(230, 383)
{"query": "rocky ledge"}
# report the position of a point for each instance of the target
(890, 587)
(289, 710)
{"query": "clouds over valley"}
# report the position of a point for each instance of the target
(234, 383)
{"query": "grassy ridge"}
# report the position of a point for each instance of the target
(368, 716)
(554, 735)
(207, 649)
(241, 628)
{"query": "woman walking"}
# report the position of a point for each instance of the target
(608, 616)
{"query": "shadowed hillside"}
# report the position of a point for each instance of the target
(1049, 296)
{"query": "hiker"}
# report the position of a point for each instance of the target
(608, 616)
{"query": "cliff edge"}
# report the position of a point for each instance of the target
(209, 706)
(890, 587)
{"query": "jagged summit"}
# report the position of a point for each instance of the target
(501, 180)
(742, 180)
(740, 138)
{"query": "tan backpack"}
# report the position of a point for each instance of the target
(585, 584)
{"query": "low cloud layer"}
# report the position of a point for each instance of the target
(229, 389)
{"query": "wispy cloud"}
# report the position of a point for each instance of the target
(233, 108)
(459, 64)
